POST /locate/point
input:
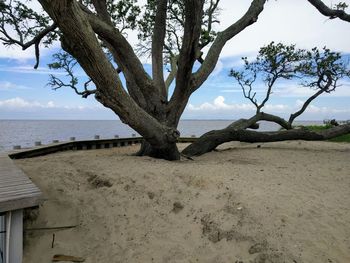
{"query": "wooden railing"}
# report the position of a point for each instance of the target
(82, 145)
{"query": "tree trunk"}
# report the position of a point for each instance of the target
(212, 139)
(78, 37)
(168, 152)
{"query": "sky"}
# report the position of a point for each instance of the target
(24, 93)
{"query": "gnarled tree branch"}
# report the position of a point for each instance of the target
(329, 12)
(8, 40)
(172, 72)
(29, 27)
(126, 58)
(211, 140)
(250, 17)
(159, 31)
(67, 63)
(187, 57)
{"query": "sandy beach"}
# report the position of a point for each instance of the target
(271, 202)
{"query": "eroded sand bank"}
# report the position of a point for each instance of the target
(282, 202)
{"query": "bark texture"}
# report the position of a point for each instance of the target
(212, 139)
(331, 13)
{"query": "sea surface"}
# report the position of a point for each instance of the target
(26, 132)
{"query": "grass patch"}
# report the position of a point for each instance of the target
(342, 138)
(318, 127)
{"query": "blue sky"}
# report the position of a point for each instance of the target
(24, 94)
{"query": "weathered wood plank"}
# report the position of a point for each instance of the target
(17, 191)
(22, 202)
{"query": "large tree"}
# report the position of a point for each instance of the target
(174, 32)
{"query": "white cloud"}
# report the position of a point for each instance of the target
(16, 52)
(325, 110)
(231, 91)
(219, 104)
(19, 103)
(6, 85)
(29, 69)
(19, 108)
(313, 109)
(299, 103)
(259, 90)
(220, 109)
(290, 90)
(284, 21)
(296, 90)
(277, 108)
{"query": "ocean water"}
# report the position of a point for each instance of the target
(26, 132)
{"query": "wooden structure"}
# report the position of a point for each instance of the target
(17, 192)
(82, 145)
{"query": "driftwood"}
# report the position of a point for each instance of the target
(210, 140)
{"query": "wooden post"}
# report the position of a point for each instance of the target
(2, 234)
(16, 242)
(14, 223)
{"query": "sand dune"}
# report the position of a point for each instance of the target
(282, 202)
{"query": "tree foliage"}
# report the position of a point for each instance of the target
(319, 70)
(22, 26)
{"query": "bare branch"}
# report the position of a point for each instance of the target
(29, 27)
(159, 31)
(270, 84)
(125, 56)
(172, 73)
(8, 40)
(329, 12)
(209, 34)
(246, 86)
(250, 17)
(57, 83)
(67, 63)
(321, 90)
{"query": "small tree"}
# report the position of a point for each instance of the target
(319, 71)
(174, 33)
